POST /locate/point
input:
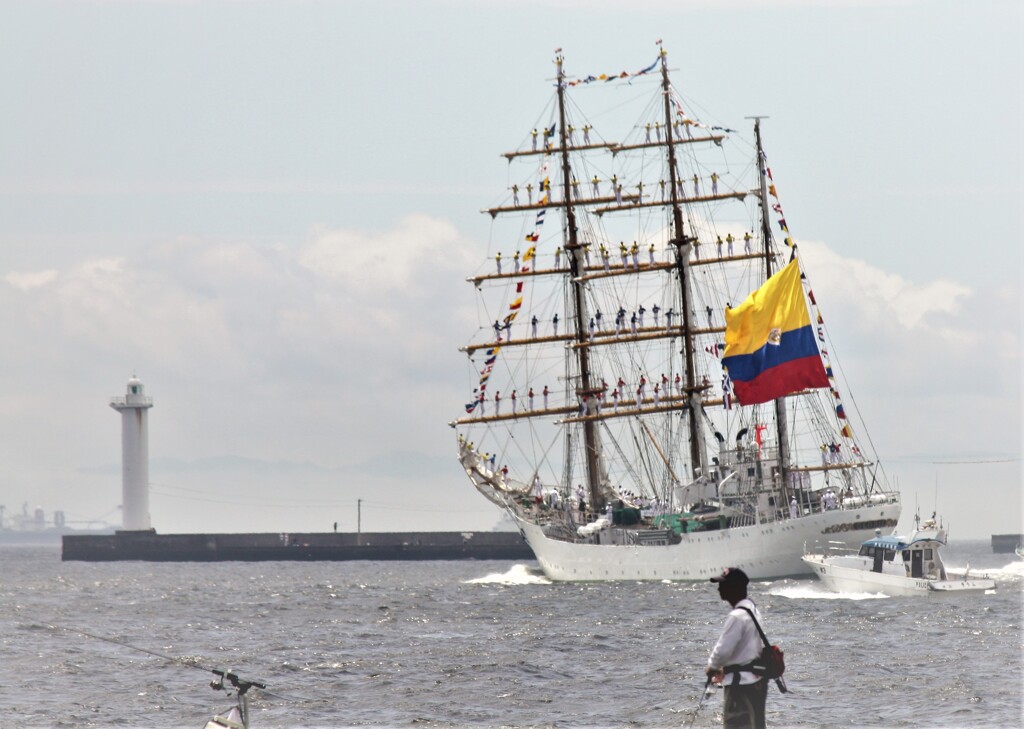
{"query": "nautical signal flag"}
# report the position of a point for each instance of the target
(769, 342)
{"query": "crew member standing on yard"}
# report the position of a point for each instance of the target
(739, 644)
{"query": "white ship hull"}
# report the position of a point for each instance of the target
(854, 574)
(764, 551)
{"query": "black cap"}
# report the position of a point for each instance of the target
(733, 576)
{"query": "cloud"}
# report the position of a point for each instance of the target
(886, 297)
(261, 349)
(241, 306)
(923, 355)
(30, 280)
(397, 262)
(121, 307)
(339, 348)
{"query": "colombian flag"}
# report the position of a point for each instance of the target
(769, 342)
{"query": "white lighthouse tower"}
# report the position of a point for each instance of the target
(134, 455)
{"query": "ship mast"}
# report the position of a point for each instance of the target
(683, 244)
(781, 428)
(575, 255)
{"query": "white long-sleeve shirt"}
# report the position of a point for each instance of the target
(739, 643)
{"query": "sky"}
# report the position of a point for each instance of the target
(268, 210)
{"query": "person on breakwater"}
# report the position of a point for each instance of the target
(739, 643)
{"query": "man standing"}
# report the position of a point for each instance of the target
(739, 644)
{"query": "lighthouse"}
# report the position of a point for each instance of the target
(133, 406)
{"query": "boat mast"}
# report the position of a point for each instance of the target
(781, 426)
(683, 244)
(575, 255)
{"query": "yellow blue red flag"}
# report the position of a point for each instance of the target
(769, 342)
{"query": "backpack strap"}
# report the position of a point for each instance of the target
(757, 625)
(779, 681)
(755, 666)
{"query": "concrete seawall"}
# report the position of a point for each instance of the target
(1006, 542)
(299, 547)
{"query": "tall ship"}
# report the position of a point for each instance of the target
(652, 394)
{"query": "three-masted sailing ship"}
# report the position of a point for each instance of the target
(653, 396)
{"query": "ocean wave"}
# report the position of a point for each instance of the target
(816, 592)
(1014, 571)
(518, 574)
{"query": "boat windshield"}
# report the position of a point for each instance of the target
(868, 550)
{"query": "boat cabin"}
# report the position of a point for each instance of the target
(920, 556)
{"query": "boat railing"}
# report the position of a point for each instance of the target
(740, 513)
(125, 401)
(857, 502)
(742, 520)
(544, 514)
(829, 548)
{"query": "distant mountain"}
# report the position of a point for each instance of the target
(228, 463)
(404, 464)
(400, 464)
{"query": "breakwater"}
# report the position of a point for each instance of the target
(296, 547)
(1006, 542)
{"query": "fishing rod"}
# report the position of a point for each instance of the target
(703, 695)
(240, 685)
(123, 644)
(232, 677)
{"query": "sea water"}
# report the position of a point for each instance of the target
(483, 644)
